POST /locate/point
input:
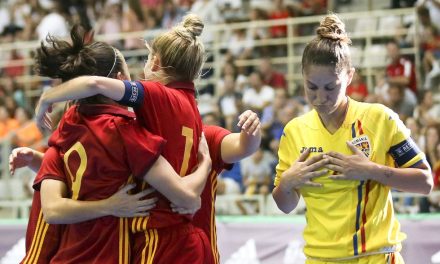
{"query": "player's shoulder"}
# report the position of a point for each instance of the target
(375, 115)
(302, 121)
(377, 112)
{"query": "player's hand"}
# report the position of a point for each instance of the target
(303, 171)
(123, 204)
(42, 117)
(19, 158)
(203, 152)
(183, 210)
(249, 122)
(349, 167)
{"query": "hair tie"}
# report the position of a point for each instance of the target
(114, 62)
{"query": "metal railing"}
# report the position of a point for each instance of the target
(364, 29)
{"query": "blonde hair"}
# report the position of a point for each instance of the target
(330, 47)
(181, 52)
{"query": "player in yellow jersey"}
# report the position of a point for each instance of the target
(343, 158)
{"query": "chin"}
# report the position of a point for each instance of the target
(325, 110)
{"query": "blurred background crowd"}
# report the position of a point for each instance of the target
(247, 68)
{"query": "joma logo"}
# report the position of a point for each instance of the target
(312, 149)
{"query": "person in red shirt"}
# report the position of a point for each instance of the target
(272, 78)
(400, 71)
(357, 89)
(225, 149)
(164, 104)
(91, 132)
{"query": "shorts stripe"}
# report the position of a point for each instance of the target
(37, 241)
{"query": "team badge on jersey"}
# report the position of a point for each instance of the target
(362, 143)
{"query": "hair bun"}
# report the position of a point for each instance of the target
(331, 27)
(193, 24)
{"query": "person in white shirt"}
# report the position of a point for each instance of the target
(257, 95)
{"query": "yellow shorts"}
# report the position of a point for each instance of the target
(390, 258)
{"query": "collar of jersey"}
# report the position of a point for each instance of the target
(182, 85)
(348, 121)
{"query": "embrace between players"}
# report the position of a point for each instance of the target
(80, 213)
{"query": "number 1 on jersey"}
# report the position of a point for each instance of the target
(188, 134)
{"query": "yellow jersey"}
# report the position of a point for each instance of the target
(347, 218)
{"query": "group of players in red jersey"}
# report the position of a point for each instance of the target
(99, 146)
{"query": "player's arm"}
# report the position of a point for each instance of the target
(181, 191)
(415, 178)
(237, 146)
(25, 157)
(77, 88)
(58, 208)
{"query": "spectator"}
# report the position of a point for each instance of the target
(416, 131)
(272, 78)
(400, 71)
(432, 136)
(110, 22)
(172, 15)
(432, 70)
(268, 116)
(426, 112)
(133, 20)
(27, 135)
(229, 68)
(257, 95)
(53, 23)
(229, 103)
(256, 172)
(230, 181)
(434, 10)
(396, 101)
(240, 44)
(357, 89)
(15, 65)
(209, 12)
(153, 9)
(279, 12)
(7, 124)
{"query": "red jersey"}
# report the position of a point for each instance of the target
(403, 67)
(171, 112)
(205, 217)
(42, 239)
(102, 146)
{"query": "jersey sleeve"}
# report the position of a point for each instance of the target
(402, 147)
(214, 137)
(133, 95)
(286, 153)
(142, 148)
(52, 167)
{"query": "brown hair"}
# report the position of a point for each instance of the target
(58, 58)
(330, 47)
(181, 52)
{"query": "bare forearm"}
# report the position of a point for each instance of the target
(196, 183)
(238, 146)
(68, 211)
(82, 87)
(404, 179)
(181, 191)
(286, 199)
